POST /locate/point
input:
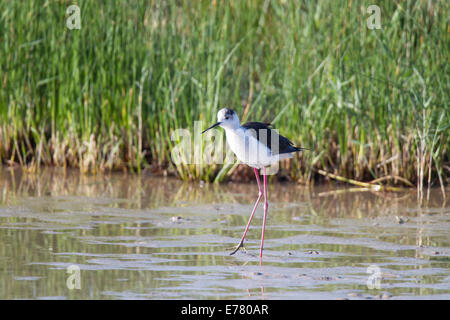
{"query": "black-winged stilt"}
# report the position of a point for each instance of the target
(258, 146)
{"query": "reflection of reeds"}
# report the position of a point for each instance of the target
(369, 103)
(140, 192)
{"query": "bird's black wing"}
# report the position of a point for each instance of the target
(266, 135)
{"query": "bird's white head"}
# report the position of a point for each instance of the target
(227, 119)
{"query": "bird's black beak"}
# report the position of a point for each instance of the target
(214, 125)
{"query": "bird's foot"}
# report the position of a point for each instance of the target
(235, 249)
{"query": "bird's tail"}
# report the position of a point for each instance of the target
(298, 149)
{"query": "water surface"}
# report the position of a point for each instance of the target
(159, 238)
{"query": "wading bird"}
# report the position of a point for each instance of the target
(258, 146)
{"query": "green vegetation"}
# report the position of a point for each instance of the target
(368, 103)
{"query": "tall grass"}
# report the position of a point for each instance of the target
(369, 103)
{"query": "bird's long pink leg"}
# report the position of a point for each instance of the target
(266, 205)
(260, 193)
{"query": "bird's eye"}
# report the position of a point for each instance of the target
(226, 118)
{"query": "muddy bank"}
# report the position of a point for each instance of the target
(151, 238)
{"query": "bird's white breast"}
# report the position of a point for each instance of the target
(248, 149)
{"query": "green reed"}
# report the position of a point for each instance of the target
(368, 103)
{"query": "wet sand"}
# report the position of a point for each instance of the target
(159, 238)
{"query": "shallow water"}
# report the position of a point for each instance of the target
(159, 238)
